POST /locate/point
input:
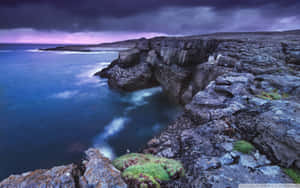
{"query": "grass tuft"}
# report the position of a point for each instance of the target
(293, 174)
(243, 146)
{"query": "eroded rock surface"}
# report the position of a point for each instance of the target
(97, 171)
(226, 111)
(222, 94)
(225, 77)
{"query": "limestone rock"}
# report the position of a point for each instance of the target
(61, 176)
(100, 173)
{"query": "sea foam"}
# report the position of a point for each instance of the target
(65, 94)
(113, 128)
(87, 77)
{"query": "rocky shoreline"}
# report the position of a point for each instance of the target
(233, 86)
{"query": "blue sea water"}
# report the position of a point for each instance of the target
(52, 109)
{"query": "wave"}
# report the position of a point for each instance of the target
(107, 151)
(87, 77)
(138, 98)
(113, 128)
(65, 94)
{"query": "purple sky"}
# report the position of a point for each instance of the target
(95, 21)
(62, 37)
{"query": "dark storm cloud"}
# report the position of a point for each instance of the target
(164, 16)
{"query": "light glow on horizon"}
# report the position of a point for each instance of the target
(57, 37)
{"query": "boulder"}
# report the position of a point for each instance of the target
(61, 176)
(99, 172)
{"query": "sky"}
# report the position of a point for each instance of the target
(96, 21)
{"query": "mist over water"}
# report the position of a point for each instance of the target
(52, 109)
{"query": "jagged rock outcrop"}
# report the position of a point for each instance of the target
(97, 171)
(168, 63)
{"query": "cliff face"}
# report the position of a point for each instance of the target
(166, 62)
(176, 63)
(233, 87)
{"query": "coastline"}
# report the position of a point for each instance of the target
(223, 100)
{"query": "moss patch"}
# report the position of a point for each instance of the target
(147, 170)
(243, 146)
(274, 95)
(294, 174)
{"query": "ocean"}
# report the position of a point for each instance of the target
(52, 109)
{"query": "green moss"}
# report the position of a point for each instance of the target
(275, 95)
(294, 174)
(146, 174)
(243, 146)
(147, 170)
(125, 161)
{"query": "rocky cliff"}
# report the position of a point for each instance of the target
(233, 86)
